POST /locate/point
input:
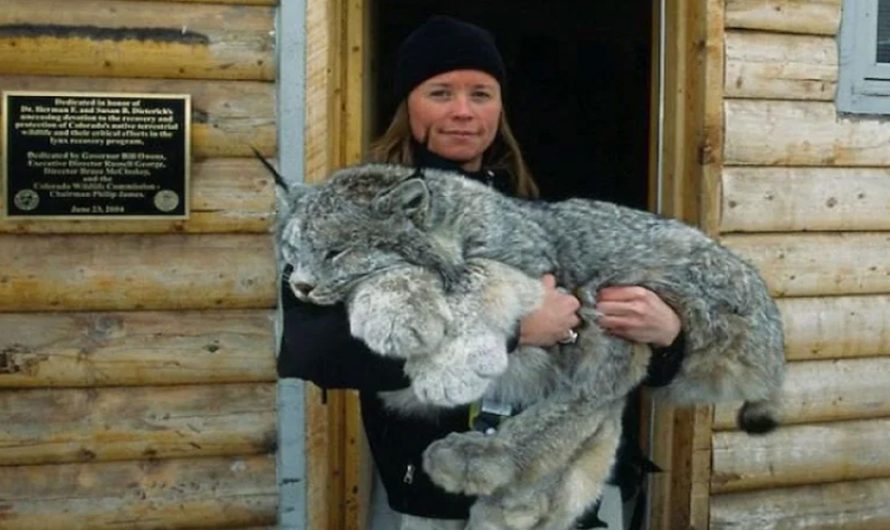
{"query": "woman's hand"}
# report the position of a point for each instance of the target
(637, 314)
(553, 320)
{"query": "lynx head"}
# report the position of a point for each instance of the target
(361, 221)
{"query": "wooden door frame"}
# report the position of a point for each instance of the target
(336, 131)
(690, 154)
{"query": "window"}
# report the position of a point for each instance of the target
(864, 79)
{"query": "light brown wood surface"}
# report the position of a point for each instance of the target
(115, 38)
(64, 425)
(227, 195)
(214, 492)
(801, 454)
(819, 391)
(819, 263)
(80, 349)
(836, 327)
(117, 272)
(236, 2)
(858, 505)
(786, 16)
(227, 116)
(780, 66)
(778, 199)
(801, 133)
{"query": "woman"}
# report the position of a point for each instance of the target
(449, 77)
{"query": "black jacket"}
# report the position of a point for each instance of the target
(317, 346)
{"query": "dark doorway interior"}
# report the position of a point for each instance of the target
(578, 98)
(578, 90)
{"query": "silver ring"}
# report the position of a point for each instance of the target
(570, 338)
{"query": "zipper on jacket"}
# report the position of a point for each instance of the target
(409, 474)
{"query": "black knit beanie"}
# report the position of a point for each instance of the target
(443, 44)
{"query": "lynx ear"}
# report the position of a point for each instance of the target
(411, 198)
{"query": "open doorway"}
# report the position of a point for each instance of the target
(578, 90)
(578, 96)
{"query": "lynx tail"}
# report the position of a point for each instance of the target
(758, 417)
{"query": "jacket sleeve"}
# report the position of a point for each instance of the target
(665, 363)
(316, 345)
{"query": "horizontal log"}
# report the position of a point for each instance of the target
(780, 66)
(836, 327)
(227, 116)
(212, 492)
(116, 38)
(787, 16)
(860, 505)
(237, 2)
(228, 195)
(818, 264)
(818, 391)
(64, 425)
(796, 199)
(801, 133)
(80, 349)
(123, 272)
(801, 454)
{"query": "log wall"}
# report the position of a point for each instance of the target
(137, 377)
(804, 197)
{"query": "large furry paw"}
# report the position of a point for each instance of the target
(511, 512)
(461, 371)
(470, 463)
(395, 331)
(444, 385)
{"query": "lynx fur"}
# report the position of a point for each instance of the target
(437, 269)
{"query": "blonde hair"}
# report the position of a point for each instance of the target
(394, 146)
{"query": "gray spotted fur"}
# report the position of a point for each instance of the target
(437, 269)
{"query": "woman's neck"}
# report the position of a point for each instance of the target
(423, 157)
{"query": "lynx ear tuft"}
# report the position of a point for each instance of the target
(411, 198)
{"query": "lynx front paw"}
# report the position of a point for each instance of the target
(396, 332)
(445, 386)
(469, 463)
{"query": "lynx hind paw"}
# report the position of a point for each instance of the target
(445, 386)
(527, 511)
(469, 463)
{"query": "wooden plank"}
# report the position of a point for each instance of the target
(227, 116)
(228, 195)
(801, 454)
(821, 17)
(799, 265)
(780, 66)
(211, 492)
(56, 426)
(801, 133)
(764, 199)
(116, 38)
(323, 419)
(860, 505)
(237, 2)
(710, 151)
(118, 272)
(136, 348)
(819, 391)
(836, 327)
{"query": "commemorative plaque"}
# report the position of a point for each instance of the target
(96, 155)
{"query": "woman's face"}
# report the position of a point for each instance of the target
(456, 115)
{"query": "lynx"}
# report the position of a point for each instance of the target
(437, 269)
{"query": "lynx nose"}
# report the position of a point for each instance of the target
(302, 288)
